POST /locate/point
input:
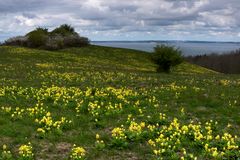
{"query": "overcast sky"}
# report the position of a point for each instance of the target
(214, 20)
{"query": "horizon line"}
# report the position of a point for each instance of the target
(204, 41)
(209, 41)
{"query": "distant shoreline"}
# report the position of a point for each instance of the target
(157, 41)
(188, 48)
(145, 41)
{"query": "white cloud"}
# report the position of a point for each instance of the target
(120, 18)
(30, 22)
(220, 18)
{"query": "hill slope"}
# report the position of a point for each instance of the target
(57, 99)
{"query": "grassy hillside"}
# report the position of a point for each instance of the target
(112, 103)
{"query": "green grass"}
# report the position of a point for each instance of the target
(29, 77)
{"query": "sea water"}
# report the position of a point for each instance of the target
(187, 47)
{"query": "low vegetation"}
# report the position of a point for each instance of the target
(109, 103)
(61, 37)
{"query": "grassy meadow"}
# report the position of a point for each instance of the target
(108, 103)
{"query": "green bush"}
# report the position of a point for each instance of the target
(37, 38)
(64, 30)
(75, 41)
(166, 57)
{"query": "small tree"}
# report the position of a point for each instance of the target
(166, 57)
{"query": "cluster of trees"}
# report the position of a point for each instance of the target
(61, 37)
(224, 63)
(167, 57)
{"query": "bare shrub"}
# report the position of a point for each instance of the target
(224, 63)
(16, 41)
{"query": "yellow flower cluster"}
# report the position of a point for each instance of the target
(136, 128)
(172, 138)
(119, 133)
(77, 153)
(25, 151)
(229, 144)
(103, 101)
(162, 116)
(79, 107)
(99, 143)
(6, 109)
(175, 87)
(17, 113)
(49, 124)
(6, 154)
(224, 82)
(36, 111)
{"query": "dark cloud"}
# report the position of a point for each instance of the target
(214, 19)
(13, 6)
(29, 15)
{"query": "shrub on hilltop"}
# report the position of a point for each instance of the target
(64, 30)
(37, 37)
(62, 37)
(166, 57)
(16, 41)
(65, 36)
(55, 42)
(75, 41)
